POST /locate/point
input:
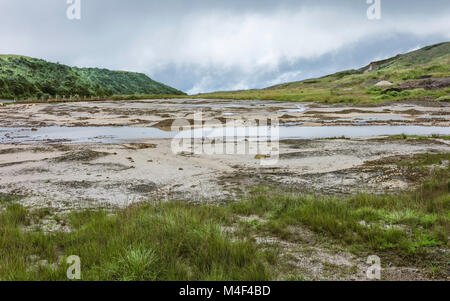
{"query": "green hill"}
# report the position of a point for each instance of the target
(423, 74)
(22, 77)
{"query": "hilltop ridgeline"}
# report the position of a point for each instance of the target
(22, 77)
(423, 74)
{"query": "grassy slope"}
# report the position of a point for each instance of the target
(357, 86)
(22, 76)
(179, 241)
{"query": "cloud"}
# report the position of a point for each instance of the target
(200, 46)
(285, 77)
(251, 44)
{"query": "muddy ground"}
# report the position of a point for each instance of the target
(78, 175)
(66, 176)
(161, 113)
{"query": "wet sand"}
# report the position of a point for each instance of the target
(161, 113)
(64, 175)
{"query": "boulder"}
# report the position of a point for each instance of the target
(383, 83)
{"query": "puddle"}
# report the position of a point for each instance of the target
(225, 105)
(81, 134)
(300, 109)
(311, 132)
(364, 119)
(134, 134)
(447, 117)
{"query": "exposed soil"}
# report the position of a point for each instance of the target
(119, 174)
(428, 84)
(161, 113)
(64, 176)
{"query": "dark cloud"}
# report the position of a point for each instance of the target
(206, 45)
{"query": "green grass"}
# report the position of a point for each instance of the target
(422, 160)
(167, 241)
(417, 137)
(409, 226)
(364, 222)
(9, 198)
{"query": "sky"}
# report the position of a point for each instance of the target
(211, 45)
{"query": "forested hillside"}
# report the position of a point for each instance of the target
(22, 77)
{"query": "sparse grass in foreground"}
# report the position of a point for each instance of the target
(406, 228)
(170, 241)
(404, 224)
(8, 198)
(178, 241)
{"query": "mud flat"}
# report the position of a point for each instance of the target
(161, 113)
(64, 156)
(59, 158)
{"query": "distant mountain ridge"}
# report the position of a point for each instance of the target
(423, 74)
(436, 56)
(22, 77)
(420, 56)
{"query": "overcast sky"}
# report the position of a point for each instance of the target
(209, 45)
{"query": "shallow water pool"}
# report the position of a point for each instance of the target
(130, 134)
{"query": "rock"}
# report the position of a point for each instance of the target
(260, 157)
(383, 83)
(137, 146)
(33, 258)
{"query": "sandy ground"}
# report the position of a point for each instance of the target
(161, 113)
(67, 176)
